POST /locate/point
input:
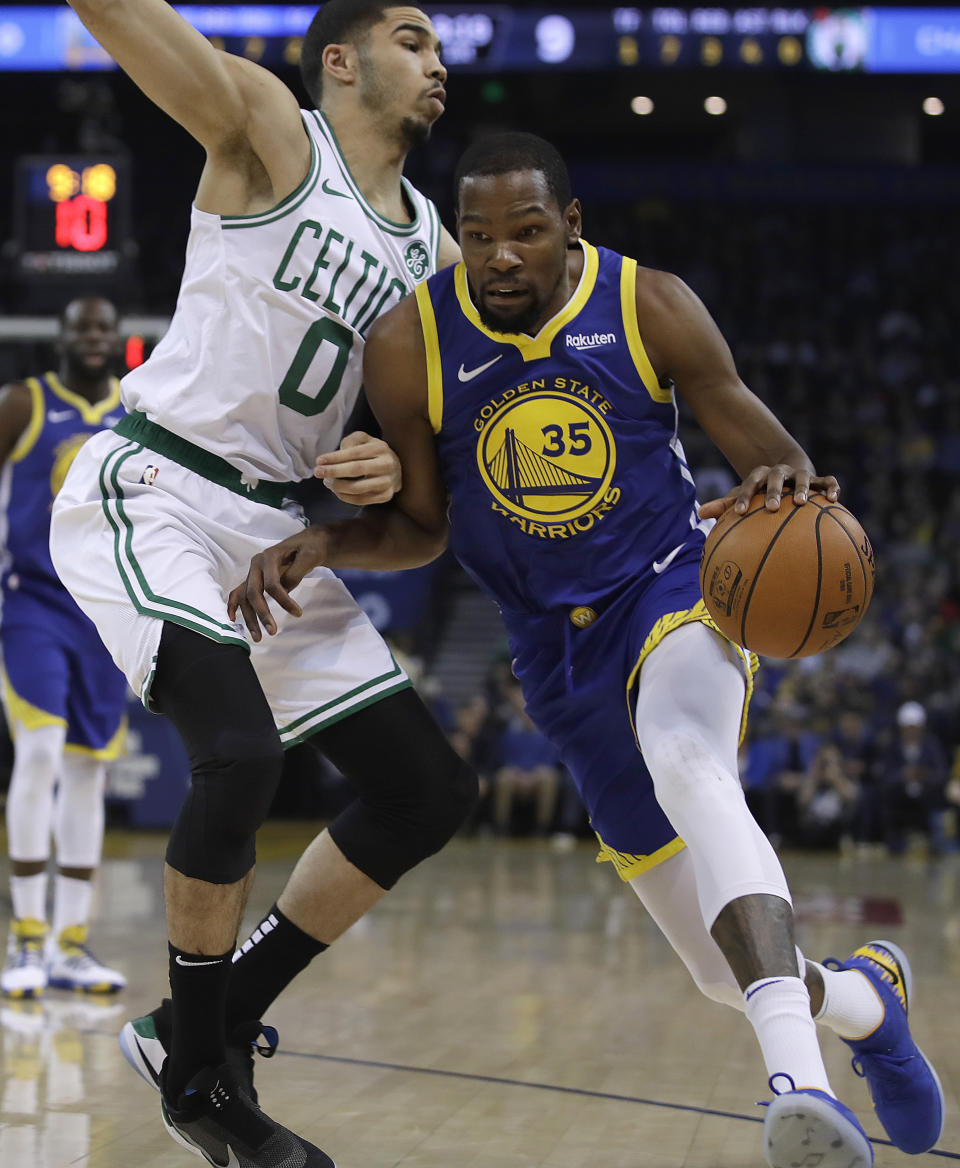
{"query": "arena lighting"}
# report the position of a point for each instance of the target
(643, 106)
(556, 39)
(933, 107)
(715, 106)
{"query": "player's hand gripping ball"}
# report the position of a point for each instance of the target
(787, 583)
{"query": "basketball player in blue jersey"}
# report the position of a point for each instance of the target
(302, 232)
(64, 698)
(529, 394)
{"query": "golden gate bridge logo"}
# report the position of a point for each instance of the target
(519, 471)
(547, 456)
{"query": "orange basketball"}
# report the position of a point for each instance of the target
(787, 583)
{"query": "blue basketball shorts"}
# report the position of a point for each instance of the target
(580, 688)
(57, 671)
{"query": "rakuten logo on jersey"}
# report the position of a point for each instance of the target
(583, 341)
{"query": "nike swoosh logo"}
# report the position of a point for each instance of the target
(59, 415)
(330, 191)
(191, 964)
(233, 1162)
(661, 565)
(465, 376)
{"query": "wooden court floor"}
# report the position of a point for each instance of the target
(508, 1005)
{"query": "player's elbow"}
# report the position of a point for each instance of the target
(431, 544)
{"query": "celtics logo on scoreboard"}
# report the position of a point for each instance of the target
(548, 459)
(417, 259)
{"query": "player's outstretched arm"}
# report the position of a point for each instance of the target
(409, 531)
(16, 411)
(216, 97)
(684, 343)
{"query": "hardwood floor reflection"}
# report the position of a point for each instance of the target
(507, 1006)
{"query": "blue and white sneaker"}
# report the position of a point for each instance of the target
(906, 1092)
(811, 1127)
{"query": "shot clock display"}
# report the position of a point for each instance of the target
(72, 216)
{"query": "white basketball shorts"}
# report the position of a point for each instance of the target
(140, 538)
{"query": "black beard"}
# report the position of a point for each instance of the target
(521, 322)
(415, 132)
(80, 374)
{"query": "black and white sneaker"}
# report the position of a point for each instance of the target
(145, 1042)
(215, 1119)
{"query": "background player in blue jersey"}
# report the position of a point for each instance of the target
(64, 697)
(529, 394)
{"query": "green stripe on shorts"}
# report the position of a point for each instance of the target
(147, 602)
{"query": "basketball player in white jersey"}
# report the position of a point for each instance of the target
(303, 232)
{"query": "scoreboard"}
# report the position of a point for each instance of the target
(509, 37)
(71, 216)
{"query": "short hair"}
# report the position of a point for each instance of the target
(514, 150)
(337, 22)
(92, 298)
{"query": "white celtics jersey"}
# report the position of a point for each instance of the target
(262, 363)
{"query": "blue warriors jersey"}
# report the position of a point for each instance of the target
(560, 452)
(60, 422)
(55, 667)
(571, 504)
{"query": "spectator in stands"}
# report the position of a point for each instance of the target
(855, 745)
(826, 801)
(470, 737)
(915, 783)
(529, 770)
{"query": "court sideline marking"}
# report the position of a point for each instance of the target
(583, 1092)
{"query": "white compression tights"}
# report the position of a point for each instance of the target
(37, 755)
(74, 817)
(689, 706)
(78, 814)
(669, 894)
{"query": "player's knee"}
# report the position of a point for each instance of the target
(388, 832)
(37, 763)
(446, 803)
(214, 838)
(679, 760)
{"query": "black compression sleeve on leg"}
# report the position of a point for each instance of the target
(211, 694)
(414, 790)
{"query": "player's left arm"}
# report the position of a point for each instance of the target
(16, 412)
(684, 344)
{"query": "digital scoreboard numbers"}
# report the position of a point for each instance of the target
(71, 217)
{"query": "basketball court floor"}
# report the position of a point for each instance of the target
(508, 1005)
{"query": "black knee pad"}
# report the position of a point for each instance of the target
(214, 837)
(211, 694)
(387, 836)
(414, 789)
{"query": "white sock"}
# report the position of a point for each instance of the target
(29, 896)
(71, 902)
(779, 1011)
(851, 1006)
